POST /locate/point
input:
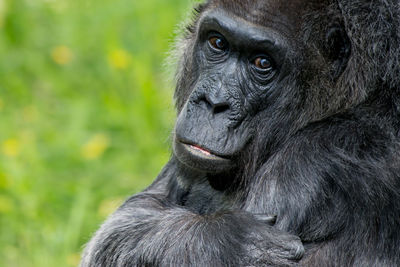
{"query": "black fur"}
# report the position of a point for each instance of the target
(296, 165)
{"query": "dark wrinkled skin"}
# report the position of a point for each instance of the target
(296, 164)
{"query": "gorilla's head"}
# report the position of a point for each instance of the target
(250, 78)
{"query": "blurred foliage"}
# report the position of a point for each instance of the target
(85, 117)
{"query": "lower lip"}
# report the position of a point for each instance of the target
(197, 148)
(200, 152)
(201, 159)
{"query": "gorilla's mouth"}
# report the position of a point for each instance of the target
(197, 157)
(196, 149)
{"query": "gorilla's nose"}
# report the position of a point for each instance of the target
(217, 105)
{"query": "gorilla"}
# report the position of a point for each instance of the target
(286, 149)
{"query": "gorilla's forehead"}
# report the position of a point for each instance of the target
(284, 15)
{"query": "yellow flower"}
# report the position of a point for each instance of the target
(108, 206)
(95, 147)
(61, 55)
(119, 59)
(11, 147)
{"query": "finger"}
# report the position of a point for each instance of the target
(268, 219)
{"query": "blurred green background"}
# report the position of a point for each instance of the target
(85, 117)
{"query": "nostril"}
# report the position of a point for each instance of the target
(220, 108)
(206, 102)
(213, 105)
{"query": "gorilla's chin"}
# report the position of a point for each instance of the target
(196, 157)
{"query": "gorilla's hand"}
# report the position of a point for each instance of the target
(267, 246)
(151, 231)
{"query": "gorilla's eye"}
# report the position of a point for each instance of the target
(218, 42)
(263, 63)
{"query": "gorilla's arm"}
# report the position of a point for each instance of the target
(335, 180)
(150, 230)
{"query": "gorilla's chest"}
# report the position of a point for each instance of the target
(202, 198)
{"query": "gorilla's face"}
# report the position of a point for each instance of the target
(238, 69)
(243, 76)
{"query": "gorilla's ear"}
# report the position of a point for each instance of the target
(338, 49)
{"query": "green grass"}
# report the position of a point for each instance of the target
(85, 117)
